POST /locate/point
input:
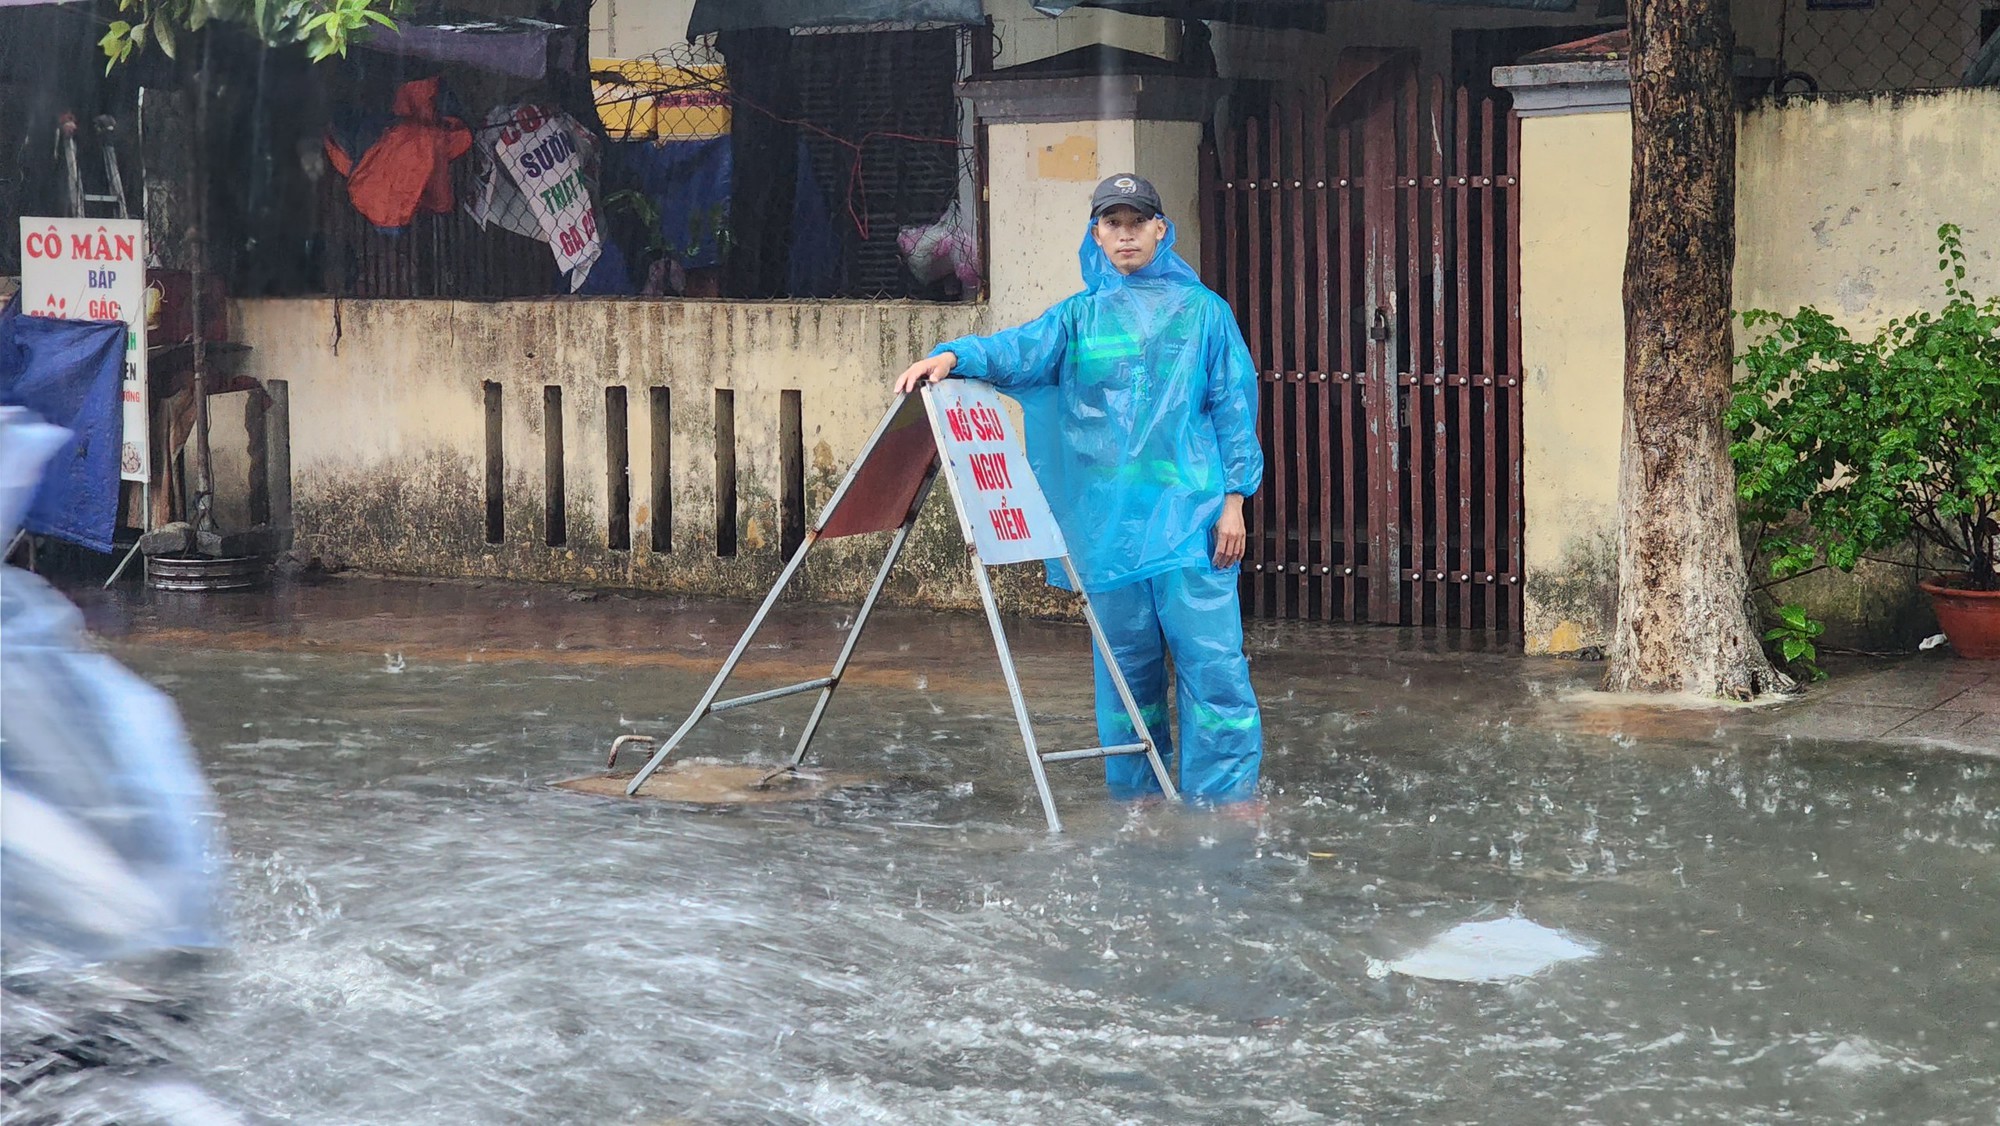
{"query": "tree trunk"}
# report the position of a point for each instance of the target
(1684, 619)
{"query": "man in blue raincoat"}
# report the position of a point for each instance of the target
(1141, 408)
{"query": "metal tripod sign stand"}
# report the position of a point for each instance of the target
(961, 425)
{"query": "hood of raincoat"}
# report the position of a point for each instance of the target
(1100, 275)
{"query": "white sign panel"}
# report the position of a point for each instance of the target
(1007, 517)
(95, 270)
(540, 153)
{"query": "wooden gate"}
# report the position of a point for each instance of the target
(1368, 245)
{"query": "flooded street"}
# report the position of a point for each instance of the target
(1785, 930)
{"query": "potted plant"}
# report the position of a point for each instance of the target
(1850, 448)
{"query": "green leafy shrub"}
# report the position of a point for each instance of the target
(1850, 447)
(1795, 638)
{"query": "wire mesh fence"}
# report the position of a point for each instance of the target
(764, 164)
(1866, 46)
(796, 166)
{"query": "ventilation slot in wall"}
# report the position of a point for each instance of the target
(791, 471)
(725, 473)
(662, 468)
(617, 472)
(496, 469)
(554, 508)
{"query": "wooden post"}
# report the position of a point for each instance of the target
(202, 504)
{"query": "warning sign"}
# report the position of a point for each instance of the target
(95, 270)
(1005, 514)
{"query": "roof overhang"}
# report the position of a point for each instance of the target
(1306, 15)
(738, 15)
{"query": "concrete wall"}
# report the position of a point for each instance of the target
(1040, 177)
(1576, 173)
(1839, 201)
(1837, 207)
(389, 424)
(1021, 34)
(630, 29)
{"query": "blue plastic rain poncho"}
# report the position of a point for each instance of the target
(109, 844)
(1140, 403)
(109, 859)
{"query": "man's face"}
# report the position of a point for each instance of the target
(1128, 238)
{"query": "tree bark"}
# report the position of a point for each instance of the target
(1684, 619)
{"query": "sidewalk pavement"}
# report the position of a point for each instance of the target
(1405, 682)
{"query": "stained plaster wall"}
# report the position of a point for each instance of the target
(1575, 177)
(1840, 199)
(1041, 176)
(1838, 202)
(388, 426)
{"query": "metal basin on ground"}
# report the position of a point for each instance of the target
(194, 573)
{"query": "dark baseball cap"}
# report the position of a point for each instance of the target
(1125, 190)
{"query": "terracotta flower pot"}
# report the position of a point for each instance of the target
(1970, 618)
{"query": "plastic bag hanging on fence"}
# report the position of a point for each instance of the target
(938, 250)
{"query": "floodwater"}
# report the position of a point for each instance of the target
(429, 932)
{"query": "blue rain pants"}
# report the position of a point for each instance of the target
(1191, 614)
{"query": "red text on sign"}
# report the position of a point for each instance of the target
(102, 247)
(1009, 523)
(990, 471)
(981, 423)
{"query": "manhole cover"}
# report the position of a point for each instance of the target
(697, 782)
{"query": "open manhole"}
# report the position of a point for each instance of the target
(200, 573)
(705, 782)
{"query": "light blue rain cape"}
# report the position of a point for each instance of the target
(1140, 404)
(109, 843)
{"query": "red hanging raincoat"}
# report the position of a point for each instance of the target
(408, 169)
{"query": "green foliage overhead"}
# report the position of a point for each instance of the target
(323, 27)
(1875, 442)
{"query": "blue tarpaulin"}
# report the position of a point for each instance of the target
(816, 258)
(69, 373)
(688, 182)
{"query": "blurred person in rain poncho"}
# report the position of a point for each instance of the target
(109, 859)
(1140, 403)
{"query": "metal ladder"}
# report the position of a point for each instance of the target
(80, 200)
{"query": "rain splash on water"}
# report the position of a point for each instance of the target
(428, 932)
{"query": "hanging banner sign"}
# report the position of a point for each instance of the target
(95, 270)
(1001, 504)
(540, 153)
